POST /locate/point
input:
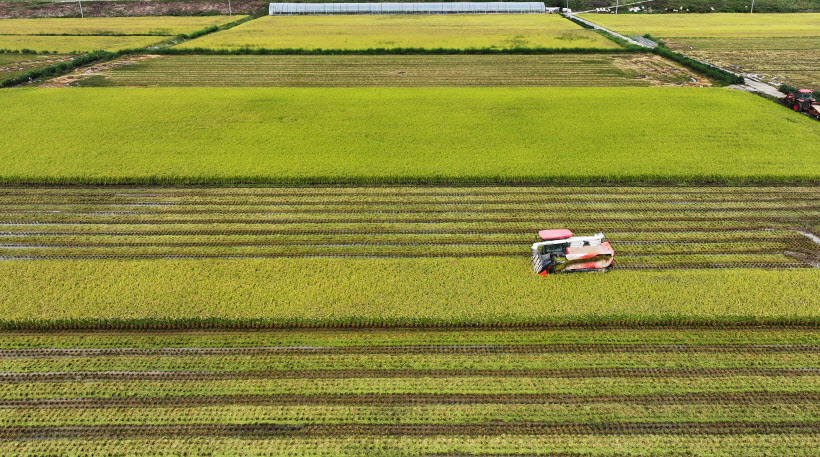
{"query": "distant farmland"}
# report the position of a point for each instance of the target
(777, 48)
(152, 25)
(712, 25)
(459, 31)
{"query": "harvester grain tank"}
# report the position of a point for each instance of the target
(561, 252)
(802, 101)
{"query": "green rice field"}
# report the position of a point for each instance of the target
(733, 25)
(286, 252)
(618, 70)
(459, 31)
(76, 44)
(716, 392)
(148, 25)
(333, 135)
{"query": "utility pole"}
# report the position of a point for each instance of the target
(617, 2)
(230, 13)
(753, 7)
(81, 7)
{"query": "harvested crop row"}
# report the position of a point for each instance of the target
(457, 389)
(403, 191)
(399, 206)
(582, 373)
(797, 444)
(459, 384)
(433, 223)
(433, 415)
(329, 338)
(768, 238)
(722, 398)
(329, 430)
(414, 361)
(526, 231)
(393, 71)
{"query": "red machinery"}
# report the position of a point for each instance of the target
(802, 101)
(560, 252)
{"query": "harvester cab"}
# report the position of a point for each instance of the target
(803, 101)
(560, 252)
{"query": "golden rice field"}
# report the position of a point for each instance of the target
(494, 31)
(76, 44)
(712, 25)
(151, 25)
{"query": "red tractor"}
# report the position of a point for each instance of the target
(560, 252)
(802, 101)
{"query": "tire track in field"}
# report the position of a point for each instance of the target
(259, 431)
(396, 400)
(597, 348)
(183, 376)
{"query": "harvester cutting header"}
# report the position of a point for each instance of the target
(560, 252)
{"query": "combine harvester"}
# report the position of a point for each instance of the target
(803, 102)
(560, 252)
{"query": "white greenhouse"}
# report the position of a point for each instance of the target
(408, 8)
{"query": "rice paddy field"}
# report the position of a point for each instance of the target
(13, 64)
(75, 36)
(792, 61)
(153, 25)
(719, 392)
(194, 264)
(587, 70)
(469, 246)
(775, 48)
(76, 44)
(459, 31)
(326, 135)
(717, 25)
